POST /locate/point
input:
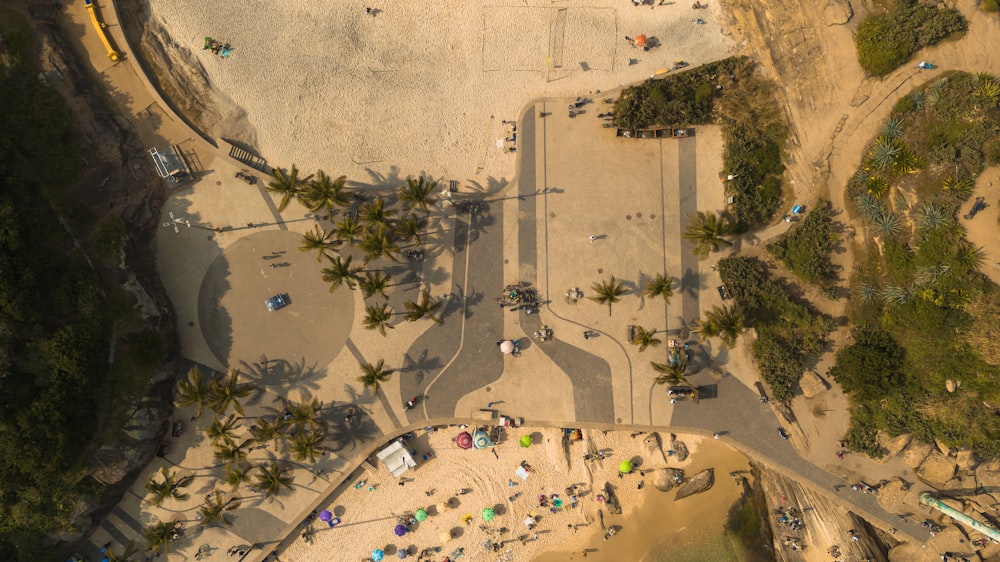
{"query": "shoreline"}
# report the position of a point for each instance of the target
(369, 512)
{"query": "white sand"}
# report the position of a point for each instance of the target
(369, 517)
(422, 86)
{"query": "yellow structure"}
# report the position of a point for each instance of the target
(101, 30)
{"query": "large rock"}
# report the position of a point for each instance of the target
(915, 453)
(893, 445)
(937, 468)
(652, 450)
(838, 12)
(966, 460)
(811, 384)
(146, 421)
(943, 447)
(988, 475)
(679, 448)
(114, 463)
(892, 495)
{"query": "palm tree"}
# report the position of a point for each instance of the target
(674, 374)
(417, 192)
(373, 375)
(227, 390)
(304, 414)
(348, 230)
(320, 241)
(426, 307)
(192, 391)
(160, 536)
(660, 286)
(340, 273)
(230, 453)
(376, 214)
(377, 318)
(286, 184)
(377, 243)
(128, 552)
(725, 322)
(706, 231)
(308, 445)
(644, 338)
(410, 227)
(375, 282)
(322, 192)
(608, 292)
(223, 431)
(271, 478)
(170, 488)
(215, 507)
(267, 430)
(238, 473)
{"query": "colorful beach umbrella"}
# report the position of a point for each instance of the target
(481, 439)
(506, 347)
(377, 555)
(640, 40)
(488, 514)
(325, 515)
(625, 466)
(400, 530)
(463, 440)
(525, 441)
(420, 515)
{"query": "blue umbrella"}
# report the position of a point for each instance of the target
(402, 553)
(400, 530)
(378, 555)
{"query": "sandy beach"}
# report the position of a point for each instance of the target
(419, 86)
(651, 520)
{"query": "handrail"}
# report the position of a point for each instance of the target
(101, 30)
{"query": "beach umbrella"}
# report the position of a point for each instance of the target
(661, 73)
(525, 441)
(400, 530)
(640, 40)
(529, 522)
(377, 555)
(420, 515)
(325, 516)
(488, 514)
(464, 440)
(481, 439)
(506, 347)
(402, 553)
(467, 518)
(625, 466)
(445, 537)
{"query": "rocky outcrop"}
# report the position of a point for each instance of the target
(811, 384)
(915, 453)
(892, 446)
(988, 476)
(698, 483)
(892, 495)
(667, 479)
(652, 450)
(937, 468)
(837, 12)
(679, 448)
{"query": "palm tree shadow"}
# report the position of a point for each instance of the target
(358, 398)
(421, 366)
(492, 187)
(349, 424)
(472, 299)
(692, 281)
(380, 181)
(435, 275)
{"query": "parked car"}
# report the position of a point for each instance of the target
(783, 433)
(177, 429)
(281, 300)
(679, 391)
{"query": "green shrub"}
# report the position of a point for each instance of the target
(806, 249)
(990, 6)
(109, 241)
(886, 41)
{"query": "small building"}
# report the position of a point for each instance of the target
(170, 164)
(397, 458)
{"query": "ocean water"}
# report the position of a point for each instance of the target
(718, 547)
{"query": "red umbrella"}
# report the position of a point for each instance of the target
(464, 440)
(640, 40)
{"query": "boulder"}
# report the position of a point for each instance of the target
(652, 450)
(114, 463)
(988, 475)
(892, 495)
(943, 447)
(893, 445)
(679, 448)
(915, 453)
(837, 12)
(966, 460)
(811, 384)
(937, 468)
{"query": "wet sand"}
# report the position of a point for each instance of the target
(655, 525)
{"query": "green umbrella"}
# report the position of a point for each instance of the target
(525, 441)
(625, 467)
(420, 515)
(488, 514)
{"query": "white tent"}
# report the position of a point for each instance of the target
(396, 458)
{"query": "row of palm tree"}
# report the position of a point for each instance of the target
(610, 291)
(217, 392)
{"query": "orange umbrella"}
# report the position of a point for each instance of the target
(640, 40)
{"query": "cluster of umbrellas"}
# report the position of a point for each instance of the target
(479, 440)
(378, 554)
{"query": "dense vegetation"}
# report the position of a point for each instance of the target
(731, 94)
(886, 41)
(927, 315)
(789, 335)
(806, 249)
(53, 328)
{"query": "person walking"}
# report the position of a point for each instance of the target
(593, 237)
